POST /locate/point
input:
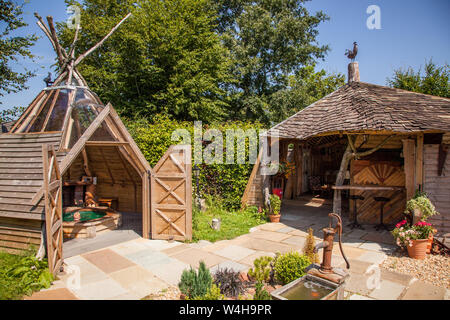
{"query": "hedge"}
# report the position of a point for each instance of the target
(223, 181)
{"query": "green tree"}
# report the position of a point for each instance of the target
(305, 87)
(433, 80)
(269, 41)
(13, 47)
(166, 58)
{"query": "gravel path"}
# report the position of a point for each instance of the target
(433, 269)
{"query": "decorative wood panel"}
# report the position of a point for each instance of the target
(171, 195)
(380, 173)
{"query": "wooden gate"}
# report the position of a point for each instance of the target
(53, 208)
(171, 195)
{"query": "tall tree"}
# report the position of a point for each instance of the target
(304, 88)
(269, 40)
(13, 47)
(167, 58)
(433, 80)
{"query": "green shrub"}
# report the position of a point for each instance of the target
(195, 284)
(225, 181)
(308, 249)
(421, 202)
(261, 293)
(261, 269)
(290, 266)
(22, 275)
(213, 293)
(275, 204)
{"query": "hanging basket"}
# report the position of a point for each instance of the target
(418, 250)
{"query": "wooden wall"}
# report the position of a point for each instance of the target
(116, 178)
(17, 235)
(437, 187)
(382, 173)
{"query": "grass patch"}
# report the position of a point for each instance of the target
(22, 275)
(234, 223)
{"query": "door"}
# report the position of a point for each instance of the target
(171, 195)
(53, 208)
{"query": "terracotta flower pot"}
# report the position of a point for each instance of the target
(274, 218)
(429, 243)
(418, 250)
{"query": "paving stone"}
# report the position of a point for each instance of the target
(251, 258)
(170, 272)
(447, 295)
(360, 267)
(420, 290)
(54, 294)
(379, 237)
(372, 257)
(286, 230)
(357, 283)
(299, 233)
(350, 252)
(160, 245)
(176, 249)
(100, 290)
(138, 281)
(85, 270)
(200, 244)
(400, 278)
(127, 296)
(148, 258)
(271, 226)
(269, 235)
(194, 256)
(237, 267)
(296, 241)
(381, 247)
(355, 234)
(108, 261)
(359, 297)
(388, 290)
(128, 247)
(234, 252)
(266, 245)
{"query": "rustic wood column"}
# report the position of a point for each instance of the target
(419, 162)
(409, 151)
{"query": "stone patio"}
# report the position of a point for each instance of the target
(138, 267)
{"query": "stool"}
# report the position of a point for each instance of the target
(355, 223)
(382, 201)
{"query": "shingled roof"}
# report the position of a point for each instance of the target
(360, 106)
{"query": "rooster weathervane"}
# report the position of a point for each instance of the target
(351, 54)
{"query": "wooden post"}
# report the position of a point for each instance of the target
(353, 72)
(409, 158)
(419, 162)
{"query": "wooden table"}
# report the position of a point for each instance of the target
(368, 187)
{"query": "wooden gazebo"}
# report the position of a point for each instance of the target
(367, 138)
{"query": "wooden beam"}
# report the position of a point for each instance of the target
(84, 55)
(106, 143)
(50, 110)
(409, 166)
(419, 162)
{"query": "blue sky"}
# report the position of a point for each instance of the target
(412, 31)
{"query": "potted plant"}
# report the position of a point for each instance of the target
(275, 206)
(414, 238)
(420, 207)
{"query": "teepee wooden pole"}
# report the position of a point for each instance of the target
(84, 55)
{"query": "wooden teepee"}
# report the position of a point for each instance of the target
(52, 109)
